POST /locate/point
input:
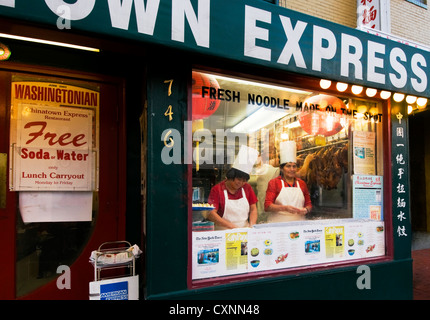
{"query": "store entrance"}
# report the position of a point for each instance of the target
(419, 146)
(62, 198)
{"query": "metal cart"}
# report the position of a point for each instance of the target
(109, 256)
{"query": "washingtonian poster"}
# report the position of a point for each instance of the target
(53, 149)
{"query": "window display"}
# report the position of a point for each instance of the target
(282, 177)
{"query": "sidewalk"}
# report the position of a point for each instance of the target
(421, 274)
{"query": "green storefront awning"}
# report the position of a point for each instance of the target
(251, 31)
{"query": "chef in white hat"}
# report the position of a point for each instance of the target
(287, 196)
(234, 199)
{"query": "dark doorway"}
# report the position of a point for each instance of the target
(419, 144)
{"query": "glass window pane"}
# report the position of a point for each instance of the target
(43, 247)
(316, 177)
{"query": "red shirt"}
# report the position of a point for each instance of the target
(217, 199)
(275, 186)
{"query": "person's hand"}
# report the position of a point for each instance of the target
(303, 211)
(292, 209)
(232, 225)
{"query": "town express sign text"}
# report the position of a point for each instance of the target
(250, 30)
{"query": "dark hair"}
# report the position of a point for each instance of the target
(233, 173)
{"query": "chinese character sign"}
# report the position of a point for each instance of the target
(400, 179)
(368, 14)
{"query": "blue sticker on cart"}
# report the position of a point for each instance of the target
(114, 291)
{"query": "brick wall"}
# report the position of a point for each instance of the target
(340, 11)
(408, 20)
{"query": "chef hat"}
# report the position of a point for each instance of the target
(287, 151)
(245, 159)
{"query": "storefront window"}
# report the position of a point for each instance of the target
(307, 181)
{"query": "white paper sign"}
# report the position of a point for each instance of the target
(367, 193)
(53, 149)
(364, 152)
(55, 206)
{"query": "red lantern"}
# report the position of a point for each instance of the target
(4, 52)
(322, 115)
(203, 105)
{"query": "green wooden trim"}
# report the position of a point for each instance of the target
(389, 281)
(402, 233)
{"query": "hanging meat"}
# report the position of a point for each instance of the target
(325, 167)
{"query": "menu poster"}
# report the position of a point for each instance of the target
(364, 152)
(375, 245)
(334, 241)
(236, 248)
(208, 255)
(282, 246)
(367, 194)
(270, 248)
(284, 251)
(261, 249)
(313, 244)
(364, 240)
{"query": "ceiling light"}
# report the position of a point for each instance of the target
(259, 84)
(356, 89)
(411, 99)
(385, 94)
(370, 92)
(410, 109)
(292, 125)
(421, 103)
(398, 97)
(361, 109)
(54, 43)
(341, 86)
(325, 84)
(257, 120)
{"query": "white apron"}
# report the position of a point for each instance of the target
(236, 211)
(289, 196)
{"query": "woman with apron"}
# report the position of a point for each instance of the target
(234, 199)
(287, 197)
